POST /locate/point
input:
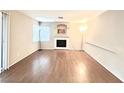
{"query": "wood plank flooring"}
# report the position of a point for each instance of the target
(58, 66)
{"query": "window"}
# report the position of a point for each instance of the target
(35, 33)
(44, 33)
(41, 33)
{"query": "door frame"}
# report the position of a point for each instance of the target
(6, 65)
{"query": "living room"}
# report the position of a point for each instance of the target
(68, 46)
(59, 46)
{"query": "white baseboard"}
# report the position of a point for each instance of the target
(107, 59)
(18, 60)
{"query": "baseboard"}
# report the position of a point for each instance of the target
(25, 56)
(40, 49)
(61, 49)
(103, 66)
(46, 48)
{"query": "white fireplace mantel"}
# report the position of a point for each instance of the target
(61, 38)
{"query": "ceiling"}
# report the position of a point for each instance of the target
(68, 15)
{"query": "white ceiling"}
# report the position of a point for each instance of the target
(68, 15)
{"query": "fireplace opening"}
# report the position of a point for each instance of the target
(61, 43)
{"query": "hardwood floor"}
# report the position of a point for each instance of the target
(58, 66)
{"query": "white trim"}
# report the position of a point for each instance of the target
(16, 60)
(12, 64)
(8, 59)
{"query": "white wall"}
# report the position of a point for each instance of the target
(105, 41)
(21, 44)
(75, 36)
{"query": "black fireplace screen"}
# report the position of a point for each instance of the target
(61, 43)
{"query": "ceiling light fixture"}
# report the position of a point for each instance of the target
(60, 17)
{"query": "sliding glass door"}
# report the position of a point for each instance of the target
(3, 41)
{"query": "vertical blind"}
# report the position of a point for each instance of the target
(44, 33)
(41, 33)
(3, 41)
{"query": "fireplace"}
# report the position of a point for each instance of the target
(61, 43)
